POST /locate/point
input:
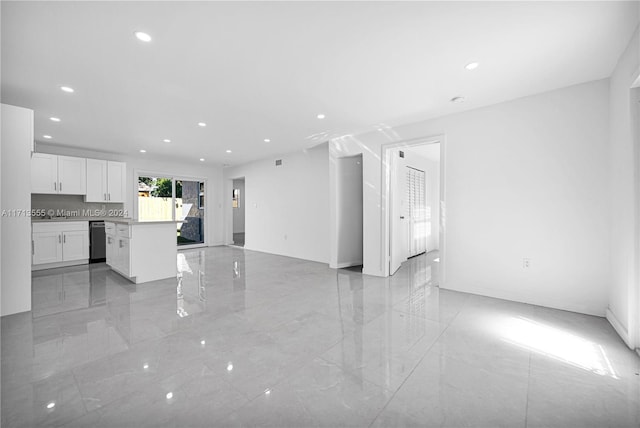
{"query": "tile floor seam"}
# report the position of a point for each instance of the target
(408, 376)
(526, 410)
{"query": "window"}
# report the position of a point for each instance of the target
(201, 196)
(236, 198)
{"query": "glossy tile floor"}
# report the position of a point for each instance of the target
(251, 339)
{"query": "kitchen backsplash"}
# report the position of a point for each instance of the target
(75, 206)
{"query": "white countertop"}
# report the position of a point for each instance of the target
(65, 219)
(137, 223)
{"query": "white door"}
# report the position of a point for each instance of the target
(116, 179)
(47, 247)
(44, 173)
(398, 212)
(417, 211)
(75, 245)
(96, 180)
(72, 175)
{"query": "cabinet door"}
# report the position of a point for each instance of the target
(72, 175)
(122, 258)
(47, 247)
(75, 245)
(44, 173)
(110, 250)
(116, 179)
(96, 181)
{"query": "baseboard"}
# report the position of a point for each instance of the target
(618, 327)
(59, 264)
(527, 299)
(348, 264)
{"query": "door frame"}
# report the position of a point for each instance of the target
(148, 173)
(385, 195)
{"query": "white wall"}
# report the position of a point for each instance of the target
(349, 210)
(238, 213)
(15, 271)
(287, 207)
(623, 299)
(524, 178)
(144, 164)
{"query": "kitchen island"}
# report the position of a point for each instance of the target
(141, 251)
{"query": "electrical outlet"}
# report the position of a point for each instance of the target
(526, 263)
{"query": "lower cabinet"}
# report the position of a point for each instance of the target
(56, 242)
(118, 253)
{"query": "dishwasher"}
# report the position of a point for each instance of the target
(97, 245)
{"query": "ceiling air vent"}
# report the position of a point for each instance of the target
(278, 162)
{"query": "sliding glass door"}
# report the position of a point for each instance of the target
(175, 199)
(189, 212)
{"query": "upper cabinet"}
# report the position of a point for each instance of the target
(58, 174)
(106, 181)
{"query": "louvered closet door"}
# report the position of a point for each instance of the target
(417, 211)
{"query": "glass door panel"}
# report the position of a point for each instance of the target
(189, 211)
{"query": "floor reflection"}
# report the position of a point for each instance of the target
(331, 347)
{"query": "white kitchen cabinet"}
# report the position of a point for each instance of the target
(116, 181)
(106, 181)
(60, 242)
(58, 174)
(46, 247)
(75, 245)
(142, 251)
(72, 175)
(44, 173)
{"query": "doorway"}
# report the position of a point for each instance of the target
(414, 202)
(238, 207)
(166, 198)
(349, 211)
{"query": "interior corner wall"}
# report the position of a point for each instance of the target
(15, 269)
(349, 211)
(287, 206)
(524, 178)
(624, 193)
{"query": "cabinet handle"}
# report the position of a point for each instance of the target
(61, 186)
(59, 239)
(109, 196)
(55, 186)
(105, 197)
(33, 251)
(64, 239)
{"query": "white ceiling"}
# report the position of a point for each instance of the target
(265, 70)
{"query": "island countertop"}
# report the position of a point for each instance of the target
(133, 222)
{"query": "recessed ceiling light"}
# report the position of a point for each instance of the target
(169, 395)
(48, 137)
(229, 367)
(202, 124)
(51, 405)
(457, 100)
(228, 151)
(201, 159)
(471, 66)
(54, 119)
(267, 140)
(143, 151)
(320, 116)
(166, 140)
(67, 89)
(142, 36)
